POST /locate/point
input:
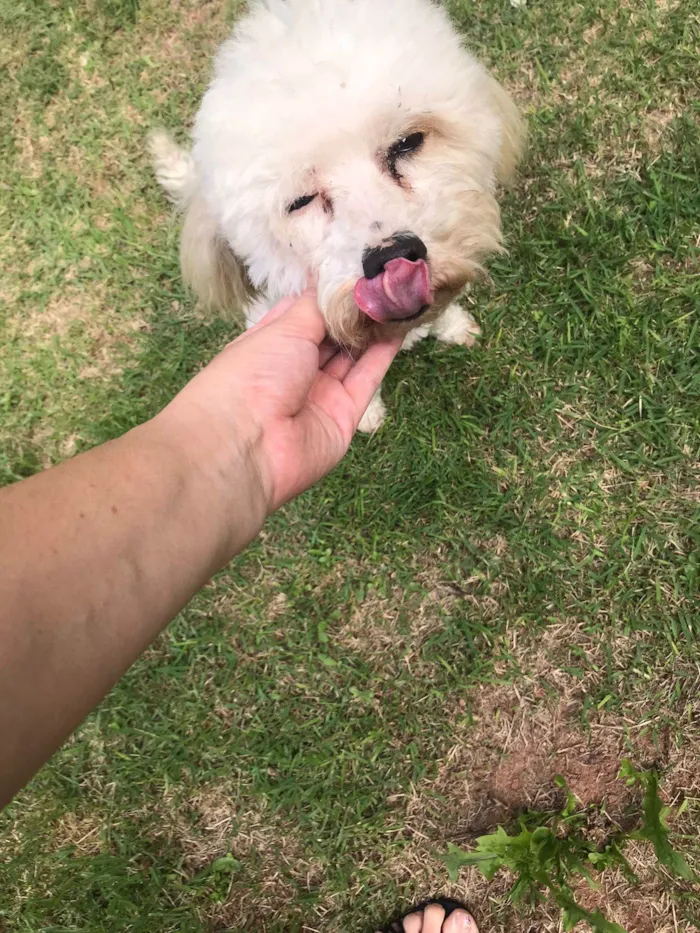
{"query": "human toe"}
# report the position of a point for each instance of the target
(460, 921)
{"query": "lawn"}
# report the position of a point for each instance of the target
(499, 587)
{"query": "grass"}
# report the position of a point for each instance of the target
(499, 587)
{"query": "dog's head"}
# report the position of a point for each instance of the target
(355, 141)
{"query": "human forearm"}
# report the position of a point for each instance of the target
(97, 556)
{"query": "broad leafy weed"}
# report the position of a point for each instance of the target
(552, 851)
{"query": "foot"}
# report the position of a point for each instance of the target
(456, 326)
(373, 418)
(433, 920)
(414, 336)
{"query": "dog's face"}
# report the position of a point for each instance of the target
(356, 142)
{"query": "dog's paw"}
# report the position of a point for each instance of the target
(373, 418)
(173, 166)
(457, 326)
(414, 336)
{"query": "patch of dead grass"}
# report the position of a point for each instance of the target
(72, 306)
(28, 146)
(86, 307)
(642, 908)
(274, 868)
(373, 628)
(656, 123)
(507, 751)
(390, 629)
(82, 833)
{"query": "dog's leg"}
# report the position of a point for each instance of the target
(373, 418)
(456, 325)
(415, 336)
(174, 167)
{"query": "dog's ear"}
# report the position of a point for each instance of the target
(209, 266)
(513, 134)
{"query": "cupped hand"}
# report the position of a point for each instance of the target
(285, 398)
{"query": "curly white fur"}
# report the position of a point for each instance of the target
(308, 97)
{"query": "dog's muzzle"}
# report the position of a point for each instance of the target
(396, 283)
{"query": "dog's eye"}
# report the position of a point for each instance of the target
(300, 202)
(408, 144)
(402, 148)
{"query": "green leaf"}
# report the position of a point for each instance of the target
(226, 864)
(456, 858)
(544, 846)
(573, 914)
(571, 802)
(512, 848)
(655, 829)
(628, 773)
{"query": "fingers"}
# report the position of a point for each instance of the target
(339, 365)
(326, 352)
(365, 377)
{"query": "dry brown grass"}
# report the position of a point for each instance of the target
(509, 742)
(64, 309)
(389, 629)
(506, 753)
(274, 868)
(83, 834)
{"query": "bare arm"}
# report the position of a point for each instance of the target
(99, 554)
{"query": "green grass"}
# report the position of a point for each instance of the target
(517, 547)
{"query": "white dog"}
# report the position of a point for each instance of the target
(355, 140)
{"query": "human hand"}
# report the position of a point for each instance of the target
(285, 401)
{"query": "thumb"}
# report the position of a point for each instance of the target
(302, 318)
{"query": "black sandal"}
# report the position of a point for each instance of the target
(447, 904)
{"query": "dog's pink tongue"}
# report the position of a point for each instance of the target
(397, 293)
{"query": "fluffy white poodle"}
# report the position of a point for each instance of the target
(355, 140)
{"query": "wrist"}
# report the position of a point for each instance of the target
(218, 466)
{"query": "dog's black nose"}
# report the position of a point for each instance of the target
(401, 246)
